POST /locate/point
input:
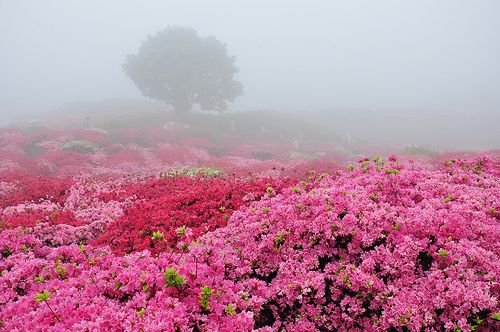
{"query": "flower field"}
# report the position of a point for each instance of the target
(155, 229)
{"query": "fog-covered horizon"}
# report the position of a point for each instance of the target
(399, 56)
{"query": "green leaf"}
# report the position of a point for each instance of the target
(443, 253)
(280, 238)
(157, 236)
(39, 279)
(44, 296)
(172, 278)
(181, 230)
(448, 199)
(230, 310)
(345, 278)
(205, 294)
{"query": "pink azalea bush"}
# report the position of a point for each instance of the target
(385, 245)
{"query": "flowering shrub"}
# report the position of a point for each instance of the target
(83, 288)
(383, 245)
(35, 217)
(26, 188)
(163, 205)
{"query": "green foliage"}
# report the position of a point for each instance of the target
(60, 270)
(81, 146)
(211, 172)
(298, 155)
(230, 310)
(449, 199)
(157, 236)
(396, 227)
(443, 253)
(280, 239)
(43, 296)
(245, 297)
(205, 294)
(392, 171)
(172, 278)
(345, 278)
(39, 279)
(181, 230)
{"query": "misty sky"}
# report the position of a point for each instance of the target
(295, 55)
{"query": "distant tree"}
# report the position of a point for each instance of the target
(180, 68)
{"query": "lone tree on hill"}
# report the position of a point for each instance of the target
(180, 68)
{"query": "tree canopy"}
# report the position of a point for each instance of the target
(180, 68)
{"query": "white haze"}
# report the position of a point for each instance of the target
(396, 56)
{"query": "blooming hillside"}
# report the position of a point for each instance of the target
(382, 245)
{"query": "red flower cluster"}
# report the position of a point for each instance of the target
(27, 188)
(33, 218)
(164, 205)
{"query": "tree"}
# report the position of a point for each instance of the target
(180, 68)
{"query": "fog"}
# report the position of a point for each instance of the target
(400, 63)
